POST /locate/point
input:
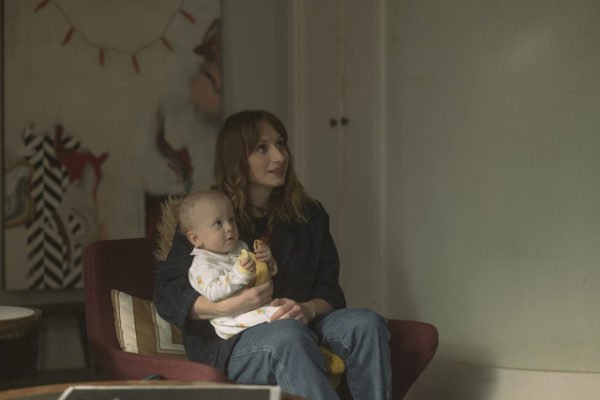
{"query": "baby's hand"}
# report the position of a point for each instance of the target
(263, 253)
(247, 262)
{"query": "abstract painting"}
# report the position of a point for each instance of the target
(107, 104)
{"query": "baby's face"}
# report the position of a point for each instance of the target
(216, 229)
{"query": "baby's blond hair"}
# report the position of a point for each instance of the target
(186, 214)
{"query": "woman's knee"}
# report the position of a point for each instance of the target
(363, 321)
(289, 326)
(281, 339)
(290, 333)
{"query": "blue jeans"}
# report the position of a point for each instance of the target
(286, 353)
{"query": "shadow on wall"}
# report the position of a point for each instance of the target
(454, 381)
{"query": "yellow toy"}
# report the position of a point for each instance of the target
(262, 270)
(334, 365)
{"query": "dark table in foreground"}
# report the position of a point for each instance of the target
(53, 392)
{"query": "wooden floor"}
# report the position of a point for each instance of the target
(50, 377)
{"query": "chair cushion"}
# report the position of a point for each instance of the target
(141, 330)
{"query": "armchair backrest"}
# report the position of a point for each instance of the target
(124, 264)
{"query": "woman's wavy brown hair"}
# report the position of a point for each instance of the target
(236, 140)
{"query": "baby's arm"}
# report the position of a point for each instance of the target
(263, 254)
(215, 282)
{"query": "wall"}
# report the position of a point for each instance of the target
(493, 191)
(60, 333)
(256, 56)
(336, 74)
(254, 77)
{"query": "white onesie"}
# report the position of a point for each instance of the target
(216, 277)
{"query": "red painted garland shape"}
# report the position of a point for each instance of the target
(134, 60)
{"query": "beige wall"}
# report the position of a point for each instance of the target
(256, 56)
(255, 77)
(492, 178)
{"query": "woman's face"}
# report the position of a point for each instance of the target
(268, 161)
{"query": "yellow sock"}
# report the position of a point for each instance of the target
(334, 366)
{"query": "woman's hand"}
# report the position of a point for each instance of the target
(289, 308)
(303, 312)
(243, 300)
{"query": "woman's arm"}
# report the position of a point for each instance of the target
(326, 286)
(173, 295)
(325, 294)
(176, 301)
(304, 312)
(216, 281)
(240, 302)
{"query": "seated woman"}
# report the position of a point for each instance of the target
(253, 167)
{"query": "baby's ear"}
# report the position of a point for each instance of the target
(194, 239)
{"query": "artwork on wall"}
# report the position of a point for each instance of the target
(109, 106)
(52, 194)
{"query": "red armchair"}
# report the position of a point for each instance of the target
(129, 265)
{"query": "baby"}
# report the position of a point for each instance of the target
(222, 264)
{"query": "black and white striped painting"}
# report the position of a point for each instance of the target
(63, 217)
(105, 104)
